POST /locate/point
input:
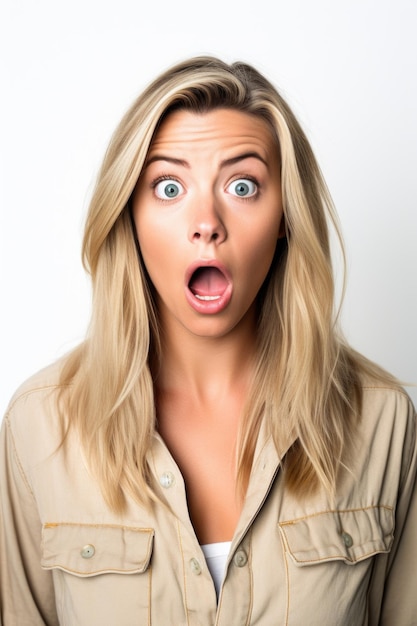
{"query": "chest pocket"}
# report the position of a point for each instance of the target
(349, 536)
(89, 550)
(101, 573)
(329, 560)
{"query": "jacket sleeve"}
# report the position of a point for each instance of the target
(26, 591)
(399, 602)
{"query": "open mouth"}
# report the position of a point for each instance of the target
(209, 288)
(208, 284)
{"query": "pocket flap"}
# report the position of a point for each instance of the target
(350, 535)
(92, 549)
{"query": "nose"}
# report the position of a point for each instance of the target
(206, 225)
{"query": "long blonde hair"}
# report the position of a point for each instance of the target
(307, 380)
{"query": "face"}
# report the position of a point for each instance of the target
(208, 213)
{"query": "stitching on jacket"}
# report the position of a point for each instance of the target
(366, 508)
(398, 390)
(249, 540)
(150, 572)
(31, 391)
(95, 572)
(149, 531)
(82, 525)
(17, 458)
(287, 577)
(338, 555)
(183, 572)
(411, 444)
(344, 557)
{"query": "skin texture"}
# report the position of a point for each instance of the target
(209, 195)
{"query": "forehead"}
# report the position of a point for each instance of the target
(215, 130)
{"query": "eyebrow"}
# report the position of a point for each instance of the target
(224, 163)
(161, 157)
(242, 157)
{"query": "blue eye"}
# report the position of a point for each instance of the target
(168, 189)
(243, 188)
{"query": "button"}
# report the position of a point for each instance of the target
(167, 480)
(195, 567)
(88, 551)
(347, 540)
(240, 559)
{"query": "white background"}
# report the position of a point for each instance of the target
(70, 70)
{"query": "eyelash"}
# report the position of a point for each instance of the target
(158, 180)
(254, 180)
(247, 177)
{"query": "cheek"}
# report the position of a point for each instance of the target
(255, 267)
(157, 251)
(261, 242)
(151, 235)
(260, 250)
(156, 229)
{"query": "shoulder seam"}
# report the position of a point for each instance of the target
(398, 389)
(17, 457)
(28, 392)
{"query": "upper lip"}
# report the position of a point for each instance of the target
(206, 263)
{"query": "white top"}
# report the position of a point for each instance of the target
(216, 556)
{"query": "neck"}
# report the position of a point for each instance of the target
(205, 367)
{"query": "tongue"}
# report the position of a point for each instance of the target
(208, 281)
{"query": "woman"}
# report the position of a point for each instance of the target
(214, 452)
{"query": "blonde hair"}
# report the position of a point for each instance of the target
(307, 380)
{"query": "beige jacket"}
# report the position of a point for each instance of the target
(66, 559)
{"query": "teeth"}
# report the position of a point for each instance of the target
(207, 298)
